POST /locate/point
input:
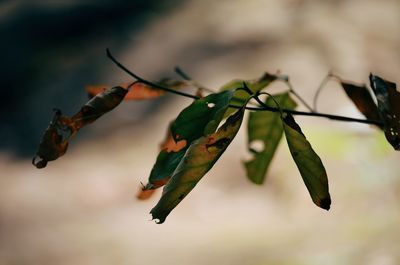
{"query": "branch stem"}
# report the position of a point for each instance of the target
(263, 108)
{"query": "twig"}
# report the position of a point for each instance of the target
(264, 108)
(291, 90)
(320, 87)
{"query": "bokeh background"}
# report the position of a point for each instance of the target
(82, 208)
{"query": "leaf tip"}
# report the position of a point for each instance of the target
(41, 163)
(324, 203)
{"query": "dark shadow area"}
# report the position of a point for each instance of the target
(51, 50)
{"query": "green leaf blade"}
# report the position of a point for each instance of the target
(308, 162)
(265, 127)
(199, 118)
(198, 160)
(240, 97)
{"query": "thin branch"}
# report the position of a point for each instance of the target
(291, 90)
(144, 81)
(193, 82)
(264, 108)
(320, 87)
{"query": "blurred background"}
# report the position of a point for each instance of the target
(82, 209)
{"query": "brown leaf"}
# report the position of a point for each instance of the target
(138, 90)
(363, 100)
(389, 108)
(54, 142)
(144, 194)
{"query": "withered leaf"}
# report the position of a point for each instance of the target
(138, 90)
(201, 156)
(54, 141)
(389, 108)
(308, 162)
(363, 100)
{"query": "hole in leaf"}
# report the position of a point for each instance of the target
(257, 146)
(211, 105)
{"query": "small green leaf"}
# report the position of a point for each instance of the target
(200, 118)
(265, 127)
(389, 108)
(240, 96)
(363, 100)
(308, 162)
(198, 160)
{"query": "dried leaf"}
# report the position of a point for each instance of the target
(138, 90)
(308, 162)
(265, 128)
(200, 118)
(389, 108)
(54, 142)
(201, 156)
(363, 100)
(144, 194)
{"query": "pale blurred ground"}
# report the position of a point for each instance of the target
(81, 209)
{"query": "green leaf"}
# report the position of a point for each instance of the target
(198, 160)
(265, 127)
(308, 162)
(363, 100)
(240, 96)
(200, 118)
(389, 108)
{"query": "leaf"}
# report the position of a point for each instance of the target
(241, 96)
(200, 118)
(363, 100)
(55, 139)
(201, 156)
(389, 108)
(308, 162)
(54, 142)
(144, 194)
(138, 90)
(265, 127)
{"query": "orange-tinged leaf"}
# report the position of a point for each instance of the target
(138, 90)
(170, 145)
(144, 194)
(201, 156)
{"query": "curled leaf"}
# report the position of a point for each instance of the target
(308, 162)
(201, 156)
(200, 118)
(54, 141)
(389, 108)
(265, 128)
(362, 98)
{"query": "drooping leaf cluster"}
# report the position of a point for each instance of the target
(202, 131)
